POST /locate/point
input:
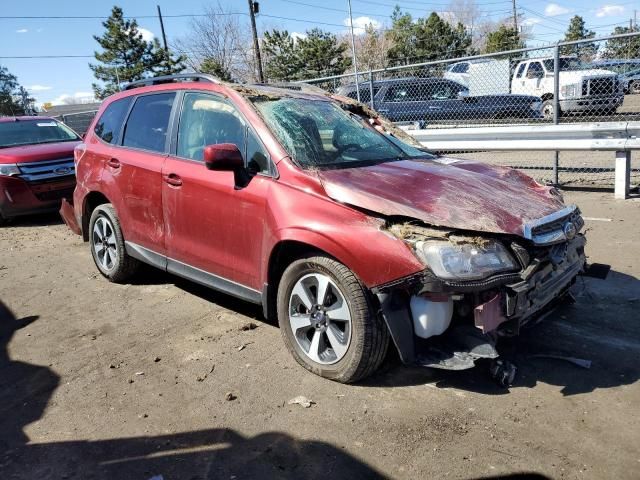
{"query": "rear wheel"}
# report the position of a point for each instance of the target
(634, 87)
(548, 109)
(107, 245)
(327, 321)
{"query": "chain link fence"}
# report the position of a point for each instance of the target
(78, 121)
(596, 80)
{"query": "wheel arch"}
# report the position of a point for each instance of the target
(91, 201)
(546, 96)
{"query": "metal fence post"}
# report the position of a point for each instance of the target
(556, 109)
(623, 175)
(372, 101)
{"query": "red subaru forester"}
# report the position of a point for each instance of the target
(339, 224)
(36, 165)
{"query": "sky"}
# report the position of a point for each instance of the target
(53, 79)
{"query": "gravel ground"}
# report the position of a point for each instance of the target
(157, 378)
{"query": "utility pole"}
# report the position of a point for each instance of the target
(253, 9)
(353, 50)
(164, 37)
(515, 16)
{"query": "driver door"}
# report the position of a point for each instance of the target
(215, 230)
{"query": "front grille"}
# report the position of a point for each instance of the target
(554, 228)
(599, 86)
(49, 170)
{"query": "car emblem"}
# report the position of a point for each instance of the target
(569, 230)
(63, 170)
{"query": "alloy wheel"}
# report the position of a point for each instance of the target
(104, 243)
(320, 319)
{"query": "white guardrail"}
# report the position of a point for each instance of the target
(618, 137)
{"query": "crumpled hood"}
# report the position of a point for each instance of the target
(444, 192)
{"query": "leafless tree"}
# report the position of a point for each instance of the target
(222, 36)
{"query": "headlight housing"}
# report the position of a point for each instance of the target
(569, 91)
(9, 169)
(535, 106)
(465, 261)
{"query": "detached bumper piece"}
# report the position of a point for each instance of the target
(457, 349)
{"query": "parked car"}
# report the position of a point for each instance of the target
(630, 81)
(36, 165)
(430, 99)
(582, 89)
(327, 215)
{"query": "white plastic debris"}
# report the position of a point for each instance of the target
(301, 400)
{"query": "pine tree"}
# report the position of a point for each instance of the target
(625, 48)
(14, 99)
(503, 39)
(282, 59)
(320, 54)
(402, 37)
(126, 56)
(578, 31)
(214, 67)
(425, 39)
(438, 40)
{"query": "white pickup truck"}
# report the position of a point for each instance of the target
(582, 89)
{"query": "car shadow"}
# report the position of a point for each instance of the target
(37, 220)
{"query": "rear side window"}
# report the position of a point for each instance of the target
(521, 70)
(365, 93)
(148, 122)
(460, 68)
(110, 122)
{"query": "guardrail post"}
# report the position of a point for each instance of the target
(373, 103)
(623, 175)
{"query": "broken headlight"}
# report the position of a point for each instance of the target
(465, 261)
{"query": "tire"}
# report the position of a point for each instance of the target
(108, 249)
(634, 87)
(346, 350)
(547, 109)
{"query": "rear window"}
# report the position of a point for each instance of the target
(110, 122)
(365, 93)
(31, 132)
(148, 122)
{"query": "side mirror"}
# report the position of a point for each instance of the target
(225, 157)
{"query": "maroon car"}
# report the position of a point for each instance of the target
(36, 165)
(339, 224)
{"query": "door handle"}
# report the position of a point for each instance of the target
(173, 180)
(113, 162)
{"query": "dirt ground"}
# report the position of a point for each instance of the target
(104, 381)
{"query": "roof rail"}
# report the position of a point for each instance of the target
(195, 77)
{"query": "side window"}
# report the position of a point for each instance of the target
(257, 156)
(520, 70)
(207, 120)
(407, 93)
(535, 70)
(444, 91)
(110, 122)
(148, 122)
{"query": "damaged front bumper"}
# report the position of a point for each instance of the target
(484, 310)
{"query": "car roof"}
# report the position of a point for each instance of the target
(23, 118)
(391, 81)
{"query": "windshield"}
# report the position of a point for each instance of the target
(566, 64)
(31, 132)
(321, 134)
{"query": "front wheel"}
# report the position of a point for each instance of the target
(634, 87)
(107, 245)
(327, 320)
